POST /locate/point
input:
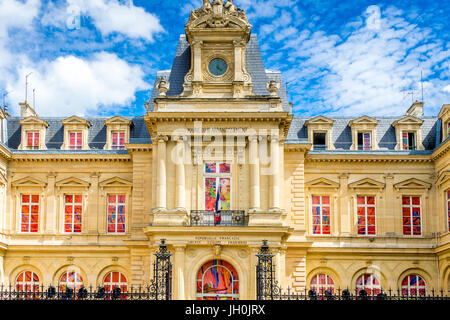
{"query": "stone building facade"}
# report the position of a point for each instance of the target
(218, 164)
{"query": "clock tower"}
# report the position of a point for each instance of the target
(218, 34)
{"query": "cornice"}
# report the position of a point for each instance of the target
(441, 150)
(73, 157)
(391, 158)
(138, 147)
(4, 152)
(297, 147)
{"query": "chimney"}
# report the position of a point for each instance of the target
(416, 109)
(26, 110)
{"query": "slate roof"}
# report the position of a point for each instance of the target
(96, 133)
(341, 135)
(253, 63)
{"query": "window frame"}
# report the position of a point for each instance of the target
(325, 145)
(118, 146)
(116, 205)
(408, 132)
(447, 193)
(417, 287)
(34, 146)
(29, 204)
(217, 175)
(73, 205)
(312, 205)
(363, 147)
(366, 206)
(370, 286)
(411, 206)
(75, 147)
(323, 287)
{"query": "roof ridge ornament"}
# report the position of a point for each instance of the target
(216, 14)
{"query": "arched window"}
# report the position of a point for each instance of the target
(322, 282)
(27, 281)
(413, 285)
(113, 280)
(70, 279)
(369, 283)
(217, 280)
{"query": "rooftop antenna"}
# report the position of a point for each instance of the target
(26, 86)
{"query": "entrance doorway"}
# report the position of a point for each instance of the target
(217, 280)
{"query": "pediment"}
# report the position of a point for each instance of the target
(319, 120)
(72, 182)
(443, 178)
(33, 120)
(117, 120)
(76, 120)
(412, 183)
(115, 182)
(366, 183)
(322, 183)
(408, 120)
(364, 120)
(29, 182)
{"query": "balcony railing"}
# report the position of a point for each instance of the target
(225, 218)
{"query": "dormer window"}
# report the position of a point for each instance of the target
(33, 133)
(117, 133)
(118, 140)
(75, 140)
(319, 141)
(75, 133)
(32, 141)
(364, 141)
(408, 141)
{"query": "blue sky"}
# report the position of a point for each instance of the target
(100, 57)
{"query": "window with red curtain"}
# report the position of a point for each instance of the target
(75, 140)
(369, 283)
(113, 280)
(412, 222)
(27, 281)
(448, 208)
(322, 282)
(29, 212)
(118, 140)
(70, 279)
(366, 219)
(321, 214)
(33, 140)
(73, 212)
(116, 213)
(413, 285)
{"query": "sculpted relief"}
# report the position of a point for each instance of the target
(217, 13)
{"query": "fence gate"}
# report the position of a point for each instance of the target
(265, 274)
(162, 274)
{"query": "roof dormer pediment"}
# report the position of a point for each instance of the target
(76, 120)
(408, 120)
(116, 182)
(29, 182)
(33, 120)
(319, 120)
(117, 120)
(363, 121)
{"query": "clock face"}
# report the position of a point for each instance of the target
(217, 67)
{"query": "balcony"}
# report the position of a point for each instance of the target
(225, 218)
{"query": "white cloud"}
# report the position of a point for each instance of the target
(447, 88)
(71, 85)
(370, 70)
(108, 16)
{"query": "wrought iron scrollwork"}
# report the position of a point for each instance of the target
(267, 287)
(161, 285)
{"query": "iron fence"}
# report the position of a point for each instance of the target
(224, 218)
(41, 292)
(346, 294)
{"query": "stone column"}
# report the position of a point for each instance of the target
(255, 196)
(275, 174)
(161, 174)
(388, 222)
(180, 203)
(238, 74)
(94, 224)
(178, 269)
(197, 59)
